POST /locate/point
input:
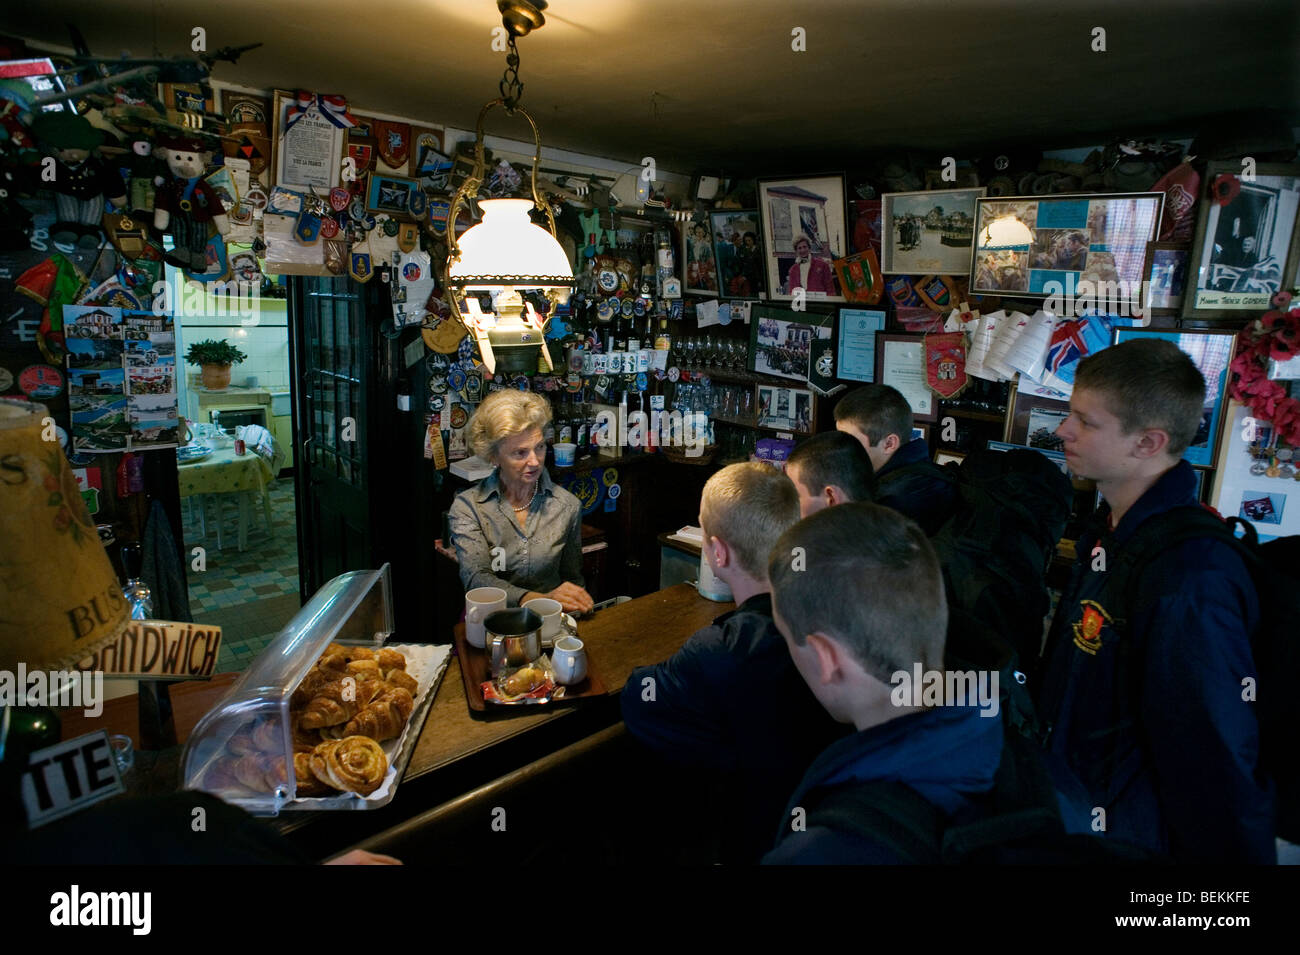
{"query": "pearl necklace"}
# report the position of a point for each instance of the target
(525, 505)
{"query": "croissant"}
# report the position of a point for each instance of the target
(402, 679)
(390, 660)
(330, 708)
(364, 669)
(401, 699)
(221, 774)
(275, 772)
(304, 741)
(308, 784)
(251, 772)
(330, 734)
(355, 764)
(311, 683)
(334, 659)
(362, 653)
(241, 744)
(378, 721)
(267, 737)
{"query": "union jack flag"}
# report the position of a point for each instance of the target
(1068, 345)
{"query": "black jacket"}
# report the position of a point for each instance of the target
(915, 486)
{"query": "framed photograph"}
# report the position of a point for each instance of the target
(856, 358)
(430, 164)
(804, 228)
(306, 148)
(900, 363)
(390, 194)
(1165, 272)
(1046, 245)
(781, 341)
(1242, 487)
(1247, 241)
(785, 409)
(701, 268)
(1032, 421)
(738, 253)
(1212, 352)
(928, 232)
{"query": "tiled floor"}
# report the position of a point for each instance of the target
(251, 594)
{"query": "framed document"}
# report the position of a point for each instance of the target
(900, 363)
(857, 345)
(1247, 242)
(307, 148)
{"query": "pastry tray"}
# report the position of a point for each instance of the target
(431, 660)
(475, 670)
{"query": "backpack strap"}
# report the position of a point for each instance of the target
(891, 814)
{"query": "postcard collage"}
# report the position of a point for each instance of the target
(121, 378)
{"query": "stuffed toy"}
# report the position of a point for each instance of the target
(186, 205)
(81, 180)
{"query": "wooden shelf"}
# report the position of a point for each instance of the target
(738, 422)
(996, 417)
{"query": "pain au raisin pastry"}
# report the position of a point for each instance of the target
(308, 784)
(356, 764)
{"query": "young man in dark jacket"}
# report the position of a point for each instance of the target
(1151, 741)
(858, 596)
(828, 469)
(906, 479)
(730, 701)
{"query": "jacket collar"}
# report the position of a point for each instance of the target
(915, 450)
(1175, 488)
(490, 486)
(759, 603)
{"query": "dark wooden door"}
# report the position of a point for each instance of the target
(333, 366)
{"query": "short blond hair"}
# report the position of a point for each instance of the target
(749, 505)
(503, 414)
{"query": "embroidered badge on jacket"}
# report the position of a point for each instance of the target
(1087, 632)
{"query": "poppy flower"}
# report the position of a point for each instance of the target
(1280, 300)
(1224, 188)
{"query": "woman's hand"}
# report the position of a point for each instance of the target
(573, 598)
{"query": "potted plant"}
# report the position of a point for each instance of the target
(215, 358)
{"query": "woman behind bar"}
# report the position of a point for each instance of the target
(515, 529)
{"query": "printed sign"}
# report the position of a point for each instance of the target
(69, 776)
(159, 650)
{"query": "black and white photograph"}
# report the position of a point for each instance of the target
(1246, 240)
(928, 233)
(785, 409)
(803, 224)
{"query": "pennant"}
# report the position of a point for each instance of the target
(362, 266)
(393, 142)
(945, 363)
(361, 150)
(408, 236)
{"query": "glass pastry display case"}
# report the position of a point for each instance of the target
(327, 715)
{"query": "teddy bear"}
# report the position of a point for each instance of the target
(78, 177)
(186, 205)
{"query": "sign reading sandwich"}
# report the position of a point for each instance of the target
(159, 650)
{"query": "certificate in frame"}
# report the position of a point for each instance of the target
(310, 154)
(900, 363)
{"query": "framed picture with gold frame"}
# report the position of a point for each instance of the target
(308, 154)
(188, 97)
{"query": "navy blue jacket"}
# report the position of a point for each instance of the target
(1173, 759)
(731, 701)
(948, 754)
(914, 486)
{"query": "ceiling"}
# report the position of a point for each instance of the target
(715, 83)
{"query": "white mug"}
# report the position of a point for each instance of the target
(480, 602)
(549, 610)
(569, 660)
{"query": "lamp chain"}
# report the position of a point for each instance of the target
(511, 89)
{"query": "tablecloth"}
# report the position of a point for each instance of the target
(224, 472)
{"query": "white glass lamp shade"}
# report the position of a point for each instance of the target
(1007, 232)
(506, 248)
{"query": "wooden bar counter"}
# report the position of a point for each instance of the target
(456, 752)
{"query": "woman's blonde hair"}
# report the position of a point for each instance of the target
(502, 414)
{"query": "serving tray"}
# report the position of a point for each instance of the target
(475, 670)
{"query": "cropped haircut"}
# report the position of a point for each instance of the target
(749, 505)
(877, 411)
(835, 458)
(867, 577)
(503, 414)
(1148, 383)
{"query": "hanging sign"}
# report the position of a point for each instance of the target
(159, 650)
(945, 363)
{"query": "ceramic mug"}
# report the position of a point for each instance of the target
(569, 660)
(549, 610)
(478, 604)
